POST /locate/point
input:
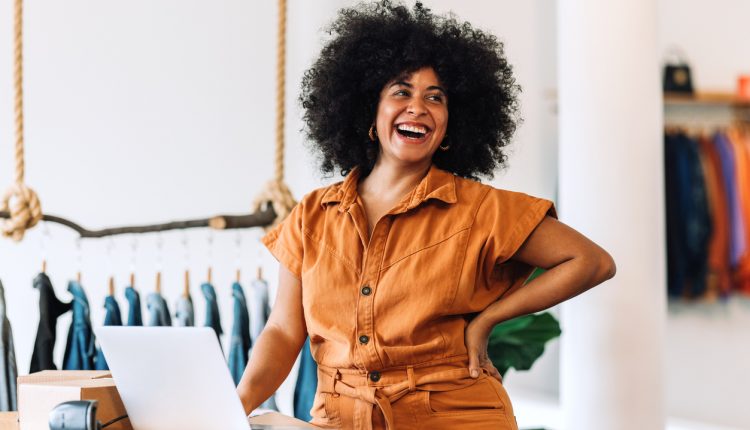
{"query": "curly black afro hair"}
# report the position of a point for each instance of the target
(373, 43)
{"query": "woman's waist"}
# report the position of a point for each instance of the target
(394, 374)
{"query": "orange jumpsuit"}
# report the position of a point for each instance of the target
(386, 313)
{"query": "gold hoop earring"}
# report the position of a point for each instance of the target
(372, 133)
(444, 147)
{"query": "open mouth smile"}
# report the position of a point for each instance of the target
(415, 133)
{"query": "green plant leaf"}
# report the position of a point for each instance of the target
(519, 342)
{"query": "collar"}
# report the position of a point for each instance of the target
(437, 184)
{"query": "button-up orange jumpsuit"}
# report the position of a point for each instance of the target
(386, 314)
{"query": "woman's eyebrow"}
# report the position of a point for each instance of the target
(437, 87)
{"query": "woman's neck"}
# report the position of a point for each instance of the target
(391, 181)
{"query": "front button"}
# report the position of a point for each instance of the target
(364, 339)
(366, 290)
(374, 376)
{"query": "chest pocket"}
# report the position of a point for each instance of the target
(427, 273)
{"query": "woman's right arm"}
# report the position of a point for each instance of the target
(277, 346)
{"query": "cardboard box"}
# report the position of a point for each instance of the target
(37, 399)
(62, 375)
(8, 420)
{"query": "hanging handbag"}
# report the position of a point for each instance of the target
(677, 76)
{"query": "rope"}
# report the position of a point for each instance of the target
(276, 191)
(20, 200)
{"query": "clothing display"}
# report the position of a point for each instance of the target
(259, 307)
(8, 369)
(465, 232)
(158, 311)
(111, 318)
(184, 316)
(134, 307)
(50, 309)
(707, 189)
(307, 384)
(212, 309)
(240, 343)
(80, 349)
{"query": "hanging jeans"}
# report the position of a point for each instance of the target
(158, 312)
(134, 307)
(8, 370)
(184, 315)
(50, 308)
(80, 349)
(240, 342)
(307, 384)
(212, 309)
(112, 317)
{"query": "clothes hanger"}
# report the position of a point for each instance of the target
(157, 288)
(111, 286)
(186, 288)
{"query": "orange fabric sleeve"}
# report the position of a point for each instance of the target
(285, 241)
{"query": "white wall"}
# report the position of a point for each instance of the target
(708, 345)
(142, 111)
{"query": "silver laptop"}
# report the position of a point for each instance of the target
(172, 378)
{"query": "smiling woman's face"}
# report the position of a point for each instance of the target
(412, 117)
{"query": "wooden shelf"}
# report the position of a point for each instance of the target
(705, 98)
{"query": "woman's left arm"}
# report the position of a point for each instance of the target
(573, 264)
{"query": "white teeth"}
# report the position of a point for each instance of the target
(413, 129)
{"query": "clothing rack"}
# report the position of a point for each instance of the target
(705, 151)
(262, 218)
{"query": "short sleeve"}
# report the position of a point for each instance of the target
(509, 218)
(285, 241)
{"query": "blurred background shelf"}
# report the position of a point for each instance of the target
(706, 98)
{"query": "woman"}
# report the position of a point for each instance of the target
(399, 272)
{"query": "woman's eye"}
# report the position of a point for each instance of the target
(401, 93)
(435, 97)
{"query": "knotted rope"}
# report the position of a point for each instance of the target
(276, 191)
(19, 200)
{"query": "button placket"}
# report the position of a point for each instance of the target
(365, 302)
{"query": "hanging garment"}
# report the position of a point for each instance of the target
(688, 218)
(737, 240)
(212, 309)
(259, 307)
(50, 308)
(718, 249)
(112, 317)
(184, 315)
(134, 307)
(307, 384)
(8, 370)
(240, 342)
(158, 311)
(740, 142)
(259, 310)
(80, 349)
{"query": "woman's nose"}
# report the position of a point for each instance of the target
(416, 107)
